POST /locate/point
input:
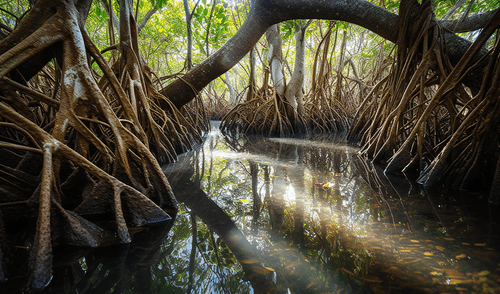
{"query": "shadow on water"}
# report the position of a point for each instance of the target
(259, 266)
(312, 217)
(270, 215)
(111, 268)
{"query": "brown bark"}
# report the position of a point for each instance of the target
(471, 23)
(104, 131)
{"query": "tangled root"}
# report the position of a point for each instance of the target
(74, 143)
(422, 118)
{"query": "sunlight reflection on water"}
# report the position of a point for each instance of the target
(274, 215)
(395, 233)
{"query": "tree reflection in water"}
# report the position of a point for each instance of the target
(293, 216)
(270, 264)
(323, 220)
(111, 268)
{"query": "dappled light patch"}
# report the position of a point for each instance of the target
(349, 227)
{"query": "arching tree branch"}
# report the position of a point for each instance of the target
(470, 23)
(265, 13)
(147, 17)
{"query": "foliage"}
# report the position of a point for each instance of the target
(216, 21)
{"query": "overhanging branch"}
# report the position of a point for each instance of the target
(268, 12)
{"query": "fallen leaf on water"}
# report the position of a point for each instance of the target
(349, 272)
(482, 273)
(435, 273)
(440, 248)
(412, 260)
(415, 241)
(248, 261)
(467, 244)
(459, 281)
(460, 256)
(260, 270)
(292, 265)
(448, 239)
(404, 250)
(428, 254)
(479, 244)
(310, 285)
(454, 274)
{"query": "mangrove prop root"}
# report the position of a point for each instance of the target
(264, 114)
(87, 146)
(422, 118)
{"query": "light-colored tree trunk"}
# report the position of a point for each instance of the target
(275, 58)
(208, 28)
(232, 92)
(340, 66)
(294, 88)
(112, 14)
(146, 18)
(189, 56)
(453, 9)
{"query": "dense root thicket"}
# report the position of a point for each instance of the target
(421, 117)
(74, 143)
(330, 105)
(263, 113)
(275, 110)
(217, 106)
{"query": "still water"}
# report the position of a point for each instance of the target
(263, 215)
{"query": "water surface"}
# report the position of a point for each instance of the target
(313, 217)
(264, 215)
